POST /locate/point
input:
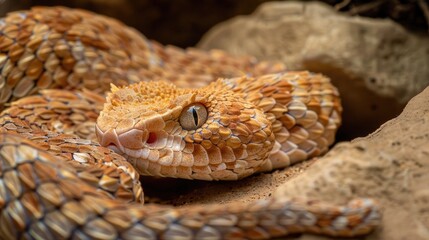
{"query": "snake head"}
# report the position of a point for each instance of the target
(210, 133)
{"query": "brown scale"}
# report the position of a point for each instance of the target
(57, 183)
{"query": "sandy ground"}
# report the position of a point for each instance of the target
(185, 192)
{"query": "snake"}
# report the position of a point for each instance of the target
(90, 104)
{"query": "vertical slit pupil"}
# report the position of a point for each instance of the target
(195, 114)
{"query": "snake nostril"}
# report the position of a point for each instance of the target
(152, 138)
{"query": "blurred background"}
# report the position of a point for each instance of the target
(183, 22)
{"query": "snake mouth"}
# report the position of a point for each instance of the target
(114, 148)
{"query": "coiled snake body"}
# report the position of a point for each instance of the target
(57, 182)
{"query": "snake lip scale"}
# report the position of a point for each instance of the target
(89, 105)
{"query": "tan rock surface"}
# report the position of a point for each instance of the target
(376, 64)
(390, 165)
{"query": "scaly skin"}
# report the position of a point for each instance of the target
(57, 182)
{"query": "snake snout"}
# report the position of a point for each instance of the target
(109, 139)
(130, 141)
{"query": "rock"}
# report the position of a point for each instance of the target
(390, 165)
(376, 64)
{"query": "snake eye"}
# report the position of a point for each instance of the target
(193, 116)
